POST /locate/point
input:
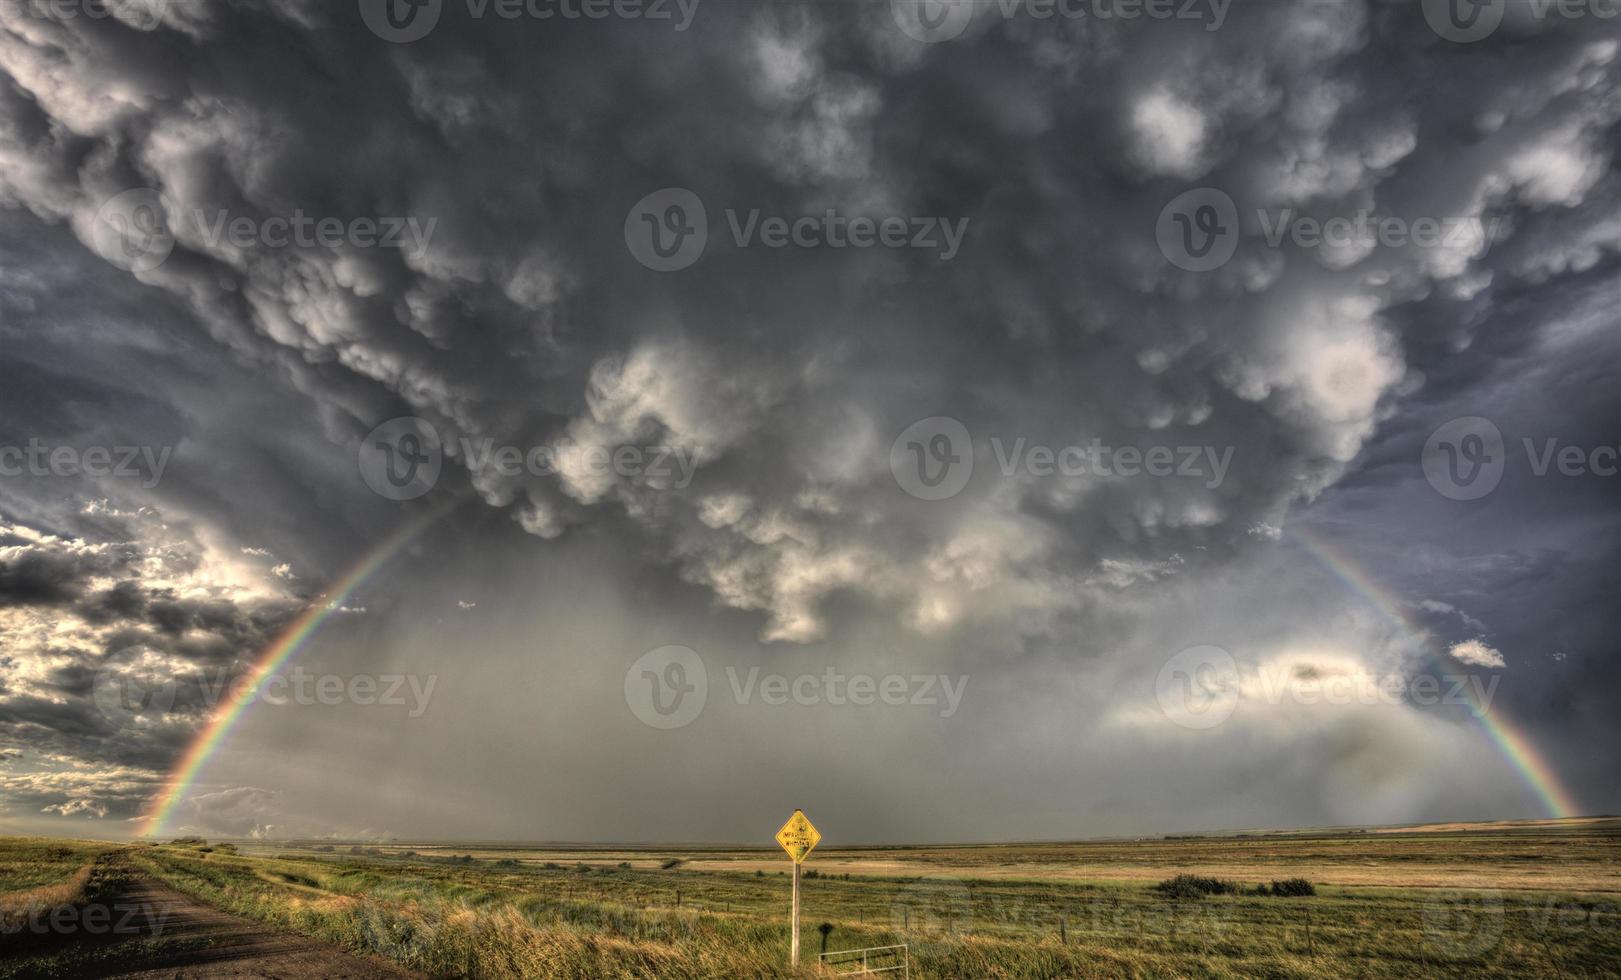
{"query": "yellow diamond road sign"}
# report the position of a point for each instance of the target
(798, 837)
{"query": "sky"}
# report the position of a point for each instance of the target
(582, 421)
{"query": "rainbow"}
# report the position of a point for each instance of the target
(1515, 746)
(287, 644)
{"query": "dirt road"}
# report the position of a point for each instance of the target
(202, 942)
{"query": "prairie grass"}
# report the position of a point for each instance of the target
(541, 918)
(964, 912)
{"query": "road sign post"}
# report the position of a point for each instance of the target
(798, 838)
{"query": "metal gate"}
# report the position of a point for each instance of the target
(891, 960)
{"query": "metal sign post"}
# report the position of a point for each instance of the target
(798, 838)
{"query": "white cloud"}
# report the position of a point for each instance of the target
(1477, 654)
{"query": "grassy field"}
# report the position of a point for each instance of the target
(1522, 900)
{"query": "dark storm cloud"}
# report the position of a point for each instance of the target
(787, 374)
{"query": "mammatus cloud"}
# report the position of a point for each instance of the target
(777, 380)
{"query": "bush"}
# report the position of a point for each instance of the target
(672, 863)
(1195, 886)
(1289, 888)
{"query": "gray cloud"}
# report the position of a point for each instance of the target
(786, 375)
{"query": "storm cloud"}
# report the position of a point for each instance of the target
(742, 455)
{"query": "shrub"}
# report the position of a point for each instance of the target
(672, 863)
(1290, 888)
(1195, 886)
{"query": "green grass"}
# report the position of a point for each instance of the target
(35, 862)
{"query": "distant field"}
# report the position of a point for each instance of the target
(1524, 900)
